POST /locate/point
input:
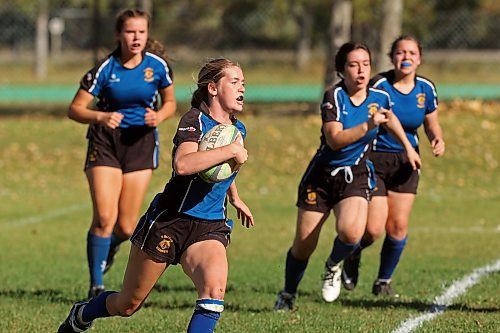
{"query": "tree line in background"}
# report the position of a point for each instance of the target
(301, 25)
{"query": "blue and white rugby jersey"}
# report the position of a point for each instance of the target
(191, 195)
(337, 106)
(128, 90)
(410, 109)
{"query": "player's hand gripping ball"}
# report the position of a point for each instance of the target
(218, 136)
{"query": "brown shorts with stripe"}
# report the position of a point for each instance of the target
(394, 173)
(165, 237)
(129, 149)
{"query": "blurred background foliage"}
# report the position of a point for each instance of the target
(275, 24)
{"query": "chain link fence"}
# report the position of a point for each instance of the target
(243, 24)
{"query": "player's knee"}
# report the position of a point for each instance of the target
(350, 236)
(397, 229)
(372, 234)
(398, 234)
(126, 232)
(105, 220)
(214, 292)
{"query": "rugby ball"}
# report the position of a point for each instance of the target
(218, 136)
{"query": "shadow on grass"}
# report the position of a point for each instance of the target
(51, 295)
(58, 296)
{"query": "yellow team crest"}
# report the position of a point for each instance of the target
(148, 74)
(164, 244)
(372, 109)
(311, 197)
(421, 100)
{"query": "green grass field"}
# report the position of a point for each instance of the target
(45, 211)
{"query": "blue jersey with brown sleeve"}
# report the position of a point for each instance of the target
(337, 106)
(128, 90)
(190, 195)
(410, 109)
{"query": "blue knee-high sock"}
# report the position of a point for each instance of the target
(97, 252)
(294, 272)
(362, 245)
(96, 308)
(115, 241)
(205, 315)
(340, 251)
(389, 256)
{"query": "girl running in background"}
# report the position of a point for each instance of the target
(123, 139)
(414, 103)
(340, 177)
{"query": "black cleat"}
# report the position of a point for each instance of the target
(383, 288)
(284, 302)
(350, 271)
(72, 324)
(111, 258)
(95, 291)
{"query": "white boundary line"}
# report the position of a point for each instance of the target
(42, 217)
(446, 299)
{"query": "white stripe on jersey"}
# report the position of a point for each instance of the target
(383, 92)
(163, 62)
(383, 79)
(185, 196)
(201, 125)
(335, 97)
(104, 64)
(362, 154)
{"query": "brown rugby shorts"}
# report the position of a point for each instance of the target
(394, 173)
(165, 237)
(319, 190)
(129, 149)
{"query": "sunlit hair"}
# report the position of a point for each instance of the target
(211, 72)
(344, 50)
(152, 45)
(401, 38)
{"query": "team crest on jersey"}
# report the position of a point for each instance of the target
(421, 100)
(311, 197)
(148, 74)
(372, 109)
(165, 243)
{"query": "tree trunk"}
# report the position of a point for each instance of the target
(304, 18)
(146, 5)
(42, 40)
(391, 28)
(338, 34)
(96, 23)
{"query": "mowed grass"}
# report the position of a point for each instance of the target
(45, 212)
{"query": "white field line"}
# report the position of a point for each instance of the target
(42, 217)
(446, 299)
